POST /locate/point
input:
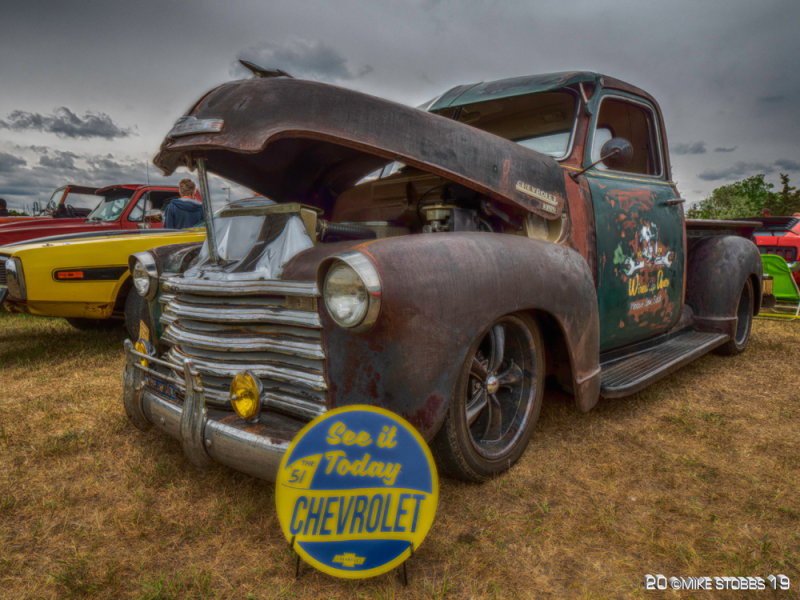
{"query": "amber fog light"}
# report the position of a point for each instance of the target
(245, 395)
(143, 347)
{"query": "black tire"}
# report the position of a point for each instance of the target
(93, 324)
(744, 322)
(136, 310)
(497, 401)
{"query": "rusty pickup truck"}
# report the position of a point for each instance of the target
(451, 264)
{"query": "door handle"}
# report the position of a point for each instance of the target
(674, 202)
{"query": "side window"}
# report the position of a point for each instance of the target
(159, 199)
(137, 212)
(634, 122)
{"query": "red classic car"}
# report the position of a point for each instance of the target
(68, 201)
(780, 236)
(120, 207)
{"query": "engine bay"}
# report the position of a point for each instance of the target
(401, 200)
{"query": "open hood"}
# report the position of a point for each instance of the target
(299, 141)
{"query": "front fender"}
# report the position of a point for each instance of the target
(438, 293)
(717, 270)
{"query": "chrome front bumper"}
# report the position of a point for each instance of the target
(207, 435)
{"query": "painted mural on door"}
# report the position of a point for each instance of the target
(639, 259)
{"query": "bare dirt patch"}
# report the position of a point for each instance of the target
(698, 475)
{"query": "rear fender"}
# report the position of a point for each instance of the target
(439, 292)
(717, 270)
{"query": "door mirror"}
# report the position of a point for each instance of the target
(616, 153)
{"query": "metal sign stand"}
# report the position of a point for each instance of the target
(296, 559)
(403, 572)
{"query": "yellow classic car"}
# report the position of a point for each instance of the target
(82, 277)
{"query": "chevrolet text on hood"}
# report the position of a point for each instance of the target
(554, 251)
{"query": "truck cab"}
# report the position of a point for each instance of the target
(625, 213)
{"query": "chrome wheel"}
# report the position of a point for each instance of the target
(501, 387)
(497, 401)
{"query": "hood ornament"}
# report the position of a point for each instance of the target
(262, 73)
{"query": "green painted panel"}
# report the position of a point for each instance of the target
(640, 258)
(508, 88)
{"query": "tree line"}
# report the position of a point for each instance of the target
(751, 197)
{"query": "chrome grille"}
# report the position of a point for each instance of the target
(3, 278)
(268, 327)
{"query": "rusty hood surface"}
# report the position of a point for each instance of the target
(302, 141)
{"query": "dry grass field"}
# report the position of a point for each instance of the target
(696, 476)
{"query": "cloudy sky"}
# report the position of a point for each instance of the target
(89, 88)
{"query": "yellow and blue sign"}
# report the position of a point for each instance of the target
(357, 491)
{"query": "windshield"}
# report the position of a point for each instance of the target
(543, 122)
(55, 200)
(82, 201)
(112, 206)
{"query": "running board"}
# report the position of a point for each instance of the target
(627, 375)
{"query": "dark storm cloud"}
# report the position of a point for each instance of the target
(736, 171)
(721, 149)
(787, 165)
(730, 78)
(694, 148)
(49, 169)
(59, 160)
(65, 123)
(110, 169)
(302, 58)
(9, 162)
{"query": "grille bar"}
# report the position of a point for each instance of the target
(239, 287)
(788, 253)
(267, 327)
(229, 364)
(177, 334)
(218, 314)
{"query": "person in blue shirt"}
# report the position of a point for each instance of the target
(186, 211)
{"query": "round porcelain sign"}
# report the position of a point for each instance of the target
(357, 491)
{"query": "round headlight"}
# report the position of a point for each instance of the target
(345, 295)
(352, 291)
(144, 273)
(141, 278)
(245, 395)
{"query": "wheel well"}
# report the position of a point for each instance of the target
(756, 294)
(558, 368)
(119, 303)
